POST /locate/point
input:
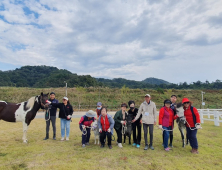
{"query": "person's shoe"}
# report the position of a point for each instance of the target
(138, 146)
(195, 151)
(151, 147)
(146, 147)
(62, 139)
(46, 137)
(54, 137)
(102, 146)
(67, 138)
(87, 143)
(171, 145)
(192, 150)
(110, 146)
(120, 145)
(134, 144)
(167, 149)
(83, 145)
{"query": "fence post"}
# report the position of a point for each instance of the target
(216, 118)
(201, 116)
(208, 113)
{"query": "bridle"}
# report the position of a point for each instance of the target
(41, 102)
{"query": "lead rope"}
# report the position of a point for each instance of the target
(48, 111)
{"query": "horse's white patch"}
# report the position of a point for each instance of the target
(30, 102)
(180, 111)
(3, 101)
(20, 113)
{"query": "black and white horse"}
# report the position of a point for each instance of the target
(181, 121)
(95, 128)
(23, 112)
(128, 128)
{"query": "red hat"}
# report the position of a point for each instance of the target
(185, 100)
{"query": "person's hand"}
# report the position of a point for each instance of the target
(83, 127)
(109, 130)
(141, 121)
(69, 116)
(154, 123)
(198, 126)
(123, 122)
(160, 127)
(47, 101)
(133, 120)
(100, 130)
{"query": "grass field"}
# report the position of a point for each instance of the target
(50, 154)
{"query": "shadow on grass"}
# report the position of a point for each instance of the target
(19, 166)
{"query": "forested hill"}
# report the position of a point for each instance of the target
(44, 76)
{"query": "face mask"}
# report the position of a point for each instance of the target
(99, 108)
(131, 108)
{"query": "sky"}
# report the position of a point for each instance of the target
(177, 41)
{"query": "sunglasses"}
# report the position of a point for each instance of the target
(186, 102)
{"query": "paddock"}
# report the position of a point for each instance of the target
(50, 154)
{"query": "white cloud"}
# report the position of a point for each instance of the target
(174, 40)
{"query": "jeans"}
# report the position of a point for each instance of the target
(166, 136)
(86, 137)
(103, 137)
(192, 136)
(53, 120)
(137, 139)
(145, 128)
(65, 125)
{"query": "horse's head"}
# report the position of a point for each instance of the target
(94, 125)
(179, 110)
(43, 100)
(181, 120)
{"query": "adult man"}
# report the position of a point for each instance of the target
(51, 117)
(148, 110)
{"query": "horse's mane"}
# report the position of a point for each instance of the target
(31, 102)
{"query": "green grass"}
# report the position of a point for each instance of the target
(50, 154)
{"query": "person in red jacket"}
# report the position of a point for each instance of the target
(193, 123)
(166, 117)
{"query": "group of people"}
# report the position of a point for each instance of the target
(146, 115)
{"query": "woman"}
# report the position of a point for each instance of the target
(85, 126)
(193, 123)
(120, 120)
(65, 114)
(136, 124)
(166, 117)
(52, 117)
(106, 124)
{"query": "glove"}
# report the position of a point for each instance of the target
(160, 127)
(83, 127)
(47, 101)
(100, 130)
(198, 126)
(109, 130)
(69, 116)
(123, 122)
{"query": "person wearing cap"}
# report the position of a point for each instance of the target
(148, 111)
(192, 125)
(65, 115)
(120, 120)
(85, 126)
(136, 125)
(166, 117)
(52, 117)
(106, 125)
(98, 109)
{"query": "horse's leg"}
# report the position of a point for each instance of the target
(25, 128)
(182, 136)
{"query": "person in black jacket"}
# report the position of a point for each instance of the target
(51, 117)
(136, 124)
(65, 114)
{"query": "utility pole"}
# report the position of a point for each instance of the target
(203, 103)
(66, 88)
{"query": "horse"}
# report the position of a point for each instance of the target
(95, 128)
(181, 121)
(23, 112)
(127, 129)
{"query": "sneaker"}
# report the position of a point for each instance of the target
(102, 146)
(167, 149)
(83, 145)
(138, 146)
(151, 147)
(171, 145)
(134, 144)
(146, 147)
(110, 146)
(62, 139)
(87, 143)
(195, 151)
(120, 145)
(67, 138)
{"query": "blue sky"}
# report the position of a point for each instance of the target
(172, 40)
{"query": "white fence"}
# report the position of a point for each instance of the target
(216, 113)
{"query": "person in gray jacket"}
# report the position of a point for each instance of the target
(106, 125)
(148, 110)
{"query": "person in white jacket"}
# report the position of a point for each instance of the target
(148, 110)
